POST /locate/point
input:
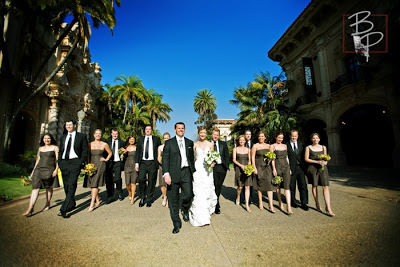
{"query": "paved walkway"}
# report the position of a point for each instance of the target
(364, 232)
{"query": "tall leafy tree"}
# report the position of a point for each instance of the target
(158, 110)
(50, 14)
(205, 105)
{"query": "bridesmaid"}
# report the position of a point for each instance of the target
(44, 172)
(130, 172)
(241, 157)
(263, 171)
(161, 182)
(315, 175)
(97, 148)
(280, 166)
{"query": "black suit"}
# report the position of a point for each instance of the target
(70, 168)
(147, 168)
(114, 169)
(181, 178)
(219, 171)
(297, 166)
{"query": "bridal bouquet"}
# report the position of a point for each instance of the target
(248, 169)
(277, 180)
(324, 158)
(212, 156)
(89, 170)
(269, 156)
(26, 180)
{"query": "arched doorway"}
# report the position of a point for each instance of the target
(315, 126)
(367, 136)
(23, 137)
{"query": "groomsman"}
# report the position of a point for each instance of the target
(219, 171)
(71, 158)
(249, 145)
(297, 166)
(178, 168)
(114, 168)
(147, 165)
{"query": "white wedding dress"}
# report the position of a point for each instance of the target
(205, 199)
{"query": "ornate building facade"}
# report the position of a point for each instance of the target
(224, 125)
(353, 103)
(72, 93)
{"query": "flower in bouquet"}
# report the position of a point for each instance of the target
(269, 156)
(89, 170)
(121, 152)
(212, 156)
(277, 180)
(248, 169)
(324, 158)
(26, 180)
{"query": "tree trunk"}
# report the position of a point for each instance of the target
(10, 120)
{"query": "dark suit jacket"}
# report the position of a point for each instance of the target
(294, 158)
(171, 158)
(224, 152)
(80, 147)
(140, 148)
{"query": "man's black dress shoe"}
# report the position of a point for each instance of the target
(175, 230)
(217, 211)
(141, 203)
(304, 207)
(120, 197)
(294, 205)
(185, 216)
(148, 204)
(63, 214)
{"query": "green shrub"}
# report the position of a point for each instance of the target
(7, 170)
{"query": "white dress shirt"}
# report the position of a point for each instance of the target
(72, 154)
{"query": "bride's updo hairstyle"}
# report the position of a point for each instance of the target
(201, 128)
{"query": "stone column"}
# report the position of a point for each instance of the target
(324, 74)
(81, 117)
(53, 117)
(335, 147)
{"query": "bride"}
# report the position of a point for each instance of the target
(205, 199)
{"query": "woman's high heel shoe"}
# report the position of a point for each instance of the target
(90, 209)
(330, 214)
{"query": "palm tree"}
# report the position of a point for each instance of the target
(107, 96)
(129, 93)
(157, 109)
(205, 105)
(138, 118)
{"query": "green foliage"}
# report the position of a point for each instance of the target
(7, 170)
(205, 105)
(262, 106)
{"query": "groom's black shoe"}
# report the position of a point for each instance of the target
(63, 214)
(175, 230)
(217, 210)
(141, 203)
(185, 216)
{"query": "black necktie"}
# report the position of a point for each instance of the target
(146, 148)
(295, 147)
(112, 149)
(248, 144)
(215, 146)
(68, 147)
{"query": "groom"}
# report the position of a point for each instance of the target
(178, 169)
(219, 171)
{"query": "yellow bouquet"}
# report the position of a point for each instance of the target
(277, 180)
(324, 158)
(248, 169)
(59, 177)
(269, 156)
(26, 180)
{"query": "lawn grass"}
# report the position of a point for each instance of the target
(12, 188)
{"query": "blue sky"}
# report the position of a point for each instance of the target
(179, 47)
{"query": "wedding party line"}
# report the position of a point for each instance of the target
(190, 174)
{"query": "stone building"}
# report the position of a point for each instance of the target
(351, 101)
(73, 93)
(224, 125)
